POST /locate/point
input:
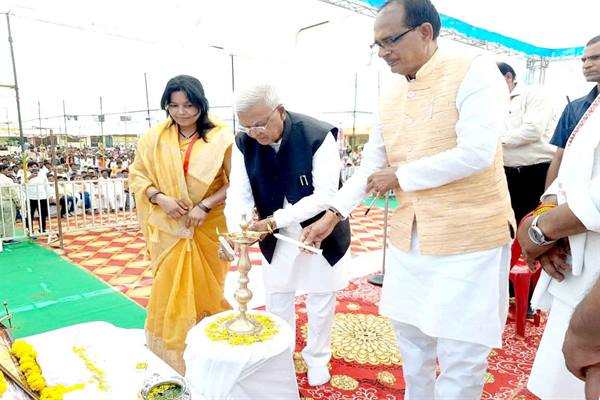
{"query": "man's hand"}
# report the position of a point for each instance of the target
(195, 217)
(316, 232)
(582, 358)
(261, 226)
(530, 250)
(225, 255)
(552, 257)
(174, 208)
(554, 262)
(382, 181)
(580, 353)
(592, 383)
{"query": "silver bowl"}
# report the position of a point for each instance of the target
(155, 380)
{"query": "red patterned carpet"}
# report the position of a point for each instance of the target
(366, 364)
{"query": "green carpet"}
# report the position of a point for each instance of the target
(46, 292)
(381, 202)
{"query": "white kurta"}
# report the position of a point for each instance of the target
(578, 185)
(462, 297)
(531, 121)
(291, 270)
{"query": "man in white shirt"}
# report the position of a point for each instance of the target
(37, 193)
(527, 152)
(287, 165)
(445, 288)
(572, 228)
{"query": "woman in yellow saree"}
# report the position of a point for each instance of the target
(179, 177)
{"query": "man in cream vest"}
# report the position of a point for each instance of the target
(436, 143)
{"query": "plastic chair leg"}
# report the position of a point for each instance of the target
(521, 284)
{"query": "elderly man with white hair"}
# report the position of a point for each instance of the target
(287, 165)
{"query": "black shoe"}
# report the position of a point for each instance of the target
(530, 313)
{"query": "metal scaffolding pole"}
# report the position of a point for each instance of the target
(147, 101)
(353, 146)
(16, 88)
(40, 121)
(65, 117)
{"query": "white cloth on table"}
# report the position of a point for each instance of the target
(115, 351)
(463, 297)
(462, 365)
(219, 370)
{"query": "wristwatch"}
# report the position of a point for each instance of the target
(336, 212)
(536, 235)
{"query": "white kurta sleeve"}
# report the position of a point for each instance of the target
(482, 107)
(326, 166)
(239, 198)
(584, 201)
(551, 190)
(354, 190)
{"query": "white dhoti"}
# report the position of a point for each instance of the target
(452, 308)
(292, 270)
(549, 378)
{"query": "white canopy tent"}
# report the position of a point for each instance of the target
(318, 52)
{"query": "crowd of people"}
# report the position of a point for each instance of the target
(88, 181)
(476, 159)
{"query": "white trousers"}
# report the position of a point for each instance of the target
(462, 365)
(320, 308)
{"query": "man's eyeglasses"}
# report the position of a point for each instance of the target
(257, 129)
(388, 42)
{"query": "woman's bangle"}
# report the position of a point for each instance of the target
(153, 196)
(203, 207)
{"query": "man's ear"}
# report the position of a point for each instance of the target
(425, 30)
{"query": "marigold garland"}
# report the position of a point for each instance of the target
(26, 355)
(217, 332)
(3, 384)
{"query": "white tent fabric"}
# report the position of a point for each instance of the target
(77, 51)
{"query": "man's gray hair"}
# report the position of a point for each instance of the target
(262, 93)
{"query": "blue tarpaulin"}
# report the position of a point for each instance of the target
(476, 32)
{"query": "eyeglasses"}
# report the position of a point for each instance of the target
(388, 42)
(257, 129)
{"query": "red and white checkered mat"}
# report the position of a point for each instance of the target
(117, 257)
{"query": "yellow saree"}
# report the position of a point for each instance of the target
(189, 278)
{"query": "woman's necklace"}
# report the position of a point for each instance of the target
(186, 137)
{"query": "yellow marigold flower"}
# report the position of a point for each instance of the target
(216, 331)
(3, 384)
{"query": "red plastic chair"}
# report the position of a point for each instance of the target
(521, 277)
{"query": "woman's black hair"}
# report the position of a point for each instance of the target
(195, 93)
